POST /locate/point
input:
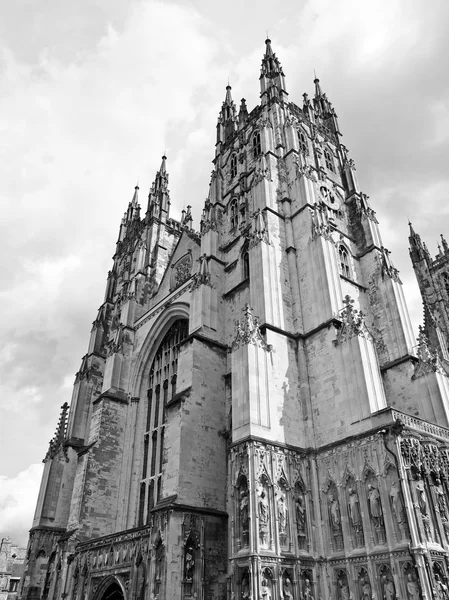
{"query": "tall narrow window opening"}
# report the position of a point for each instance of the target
(162, 387)
(233, 166)
(234, 213)
(329, 161)
(344, 261)
(302, 142)
(257, 147)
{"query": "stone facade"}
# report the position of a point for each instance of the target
(251, 419)
(12, 558)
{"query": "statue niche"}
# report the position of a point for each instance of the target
(282, 513)
(287, 585)
(412, 585)
(243, 511)
(300, 515)
(423, 504)
(375, 510)
(342, 585)
(307, 585)
(245, 585)
(334, 515)
(397, 504)
(263, 512)
(266, 584)
(364, 585)
(354, 513)
(440, 578)
(387, 583)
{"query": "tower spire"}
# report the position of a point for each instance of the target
(227, 119)
(272, 78)
(159, 196)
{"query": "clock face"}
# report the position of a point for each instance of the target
(329, 198)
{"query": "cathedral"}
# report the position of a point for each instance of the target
(254, 418)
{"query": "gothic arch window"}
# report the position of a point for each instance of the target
(329, 161)
(233, 166)
(245, 262)
(257, 147)
(343, 255)
(162, 388)
(234, 210)
(303, 146)
(446, 282)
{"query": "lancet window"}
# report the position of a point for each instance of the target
(233, 166)
(257, 147)
(162, 387)
(344, 261)
(234, 213)
(329, 161)
(245, 262)
(302, 142)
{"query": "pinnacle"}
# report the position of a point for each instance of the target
(163, 168)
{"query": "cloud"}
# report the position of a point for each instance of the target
(18, 497)
(90, 98)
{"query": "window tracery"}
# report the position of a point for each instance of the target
(329, 161)
(303, 147)
(257, 147)
(234, 213)
(162, 380)
(345, 269)
(233, 166)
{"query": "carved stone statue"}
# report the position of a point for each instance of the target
(441, 500)
(189, 563)
(354, 510)
(300, 510)
(265, 593)
(388, 589)
(307, 590)
(413, 589)
(244, 515)
(263, 515)
(343, 590)
(246, 594)
(287, 589)
(334, 513)
(374, 504)
(282, 513)
(396, 503)
(422, 497)
(366, 588)
(441, 588)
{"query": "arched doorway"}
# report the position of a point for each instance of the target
(112, 592)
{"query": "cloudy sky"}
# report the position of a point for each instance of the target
(92, 92)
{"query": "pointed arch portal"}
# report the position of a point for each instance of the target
(112, 592)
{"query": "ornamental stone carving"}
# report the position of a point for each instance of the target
(248, 331)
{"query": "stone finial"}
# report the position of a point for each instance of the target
(428, 358)
(352, 322)
(248, 331)
(60, 434)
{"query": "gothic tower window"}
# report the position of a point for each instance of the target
(257, 148)
(163, 381)
(234, 213)
(344, 261)
(233, 166)
(245, 262)
(329, 161)
(302, 142)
